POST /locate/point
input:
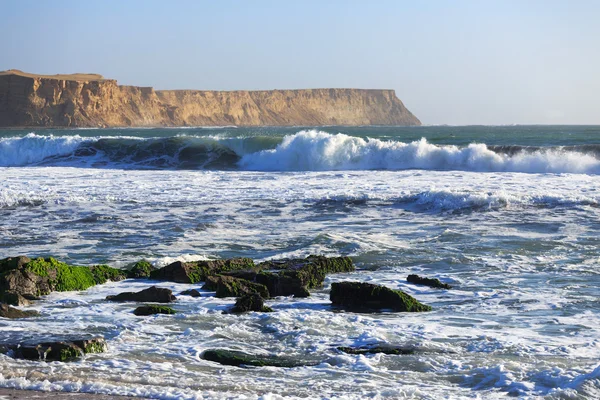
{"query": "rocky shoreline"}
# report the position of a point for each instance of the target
(251, 285)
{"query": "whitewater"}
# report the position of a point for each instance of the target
(507, 215)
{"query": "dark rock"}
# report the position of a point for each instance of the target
(311, 271)
(7, 311)
(151, 309)
(278, 283)
(293, 277)
(151, 294)
(191, 292)
(360, 296)
(228, 286)
(431, 282)
(11, 263)
(378, 349)
(43, 276)
(16, 299)
(250, 302)
(238, 358)
(141, 269)
(283, 283)
(198, 271)
(58, 350)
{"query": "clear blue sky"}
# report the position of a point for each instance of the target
(451, 62)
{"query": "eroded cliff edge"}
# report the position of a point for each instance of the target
(89, 100)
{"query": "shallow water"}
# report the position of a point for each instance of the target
(519, 246)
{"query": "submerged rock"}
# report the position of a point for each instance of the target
(378, 349)
(151, 309)
(7, 311)
(238, 359)
(198, 271)
(58, 350)
(141, 269)
(359, 296)
(151, 294)
(431, 282)
(229, 286)
(45, 275)
(190, 292)
(250, 302)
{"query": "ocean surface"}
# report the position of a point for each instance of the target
(508, 215)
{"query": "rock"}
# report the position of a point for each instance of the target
(229, 286)
(250, 302)
(293, 277)
(42, 276)
(431, 282)
(198, 271)
(238, 358)
(11, 263)
(358, 296)
(151, 294)
(141, 269)
(58, 350)
(378, 349)
(283, 283)
(16, 299)
(311, 271)
(190, 292)
(7, 311)
(151, 309)
(90, 100)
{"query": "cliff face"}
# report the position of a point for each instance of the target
(90, 101)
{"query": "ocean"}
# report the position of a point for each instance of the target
(508, 215)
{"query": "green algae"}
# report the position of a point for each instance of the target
(141, 269)
(151, 309)
(63, 277)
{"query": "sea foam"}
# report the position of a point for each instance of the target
(320, 151)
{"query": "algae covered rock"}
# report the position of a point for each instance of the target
(238, 359)
(7, 311)
(394, 350)
(42, 276)
(359, 296)
(229, 286)
(191, 292)
(198, 271)
(151, 309)
(310, 271)
(250, 302)
(294, 277)
(150, 295)
(141, 269)
(431, 282)
(59, 350)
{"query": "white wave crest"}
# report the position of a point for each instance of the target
(320, 151)
(32, 148)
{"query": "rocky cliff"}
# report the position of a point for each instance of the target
(89, 100)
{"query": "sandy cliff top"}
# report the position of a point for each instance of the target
(65, 77)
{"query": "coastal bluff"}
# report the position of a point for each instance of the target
(89, 100)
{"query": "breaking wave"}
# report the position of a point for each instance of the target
(309, 150)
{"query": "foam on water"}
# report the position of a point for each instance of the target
(519, 248)
(303, 151)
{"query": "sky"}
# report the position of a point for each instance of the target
(451, 62)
